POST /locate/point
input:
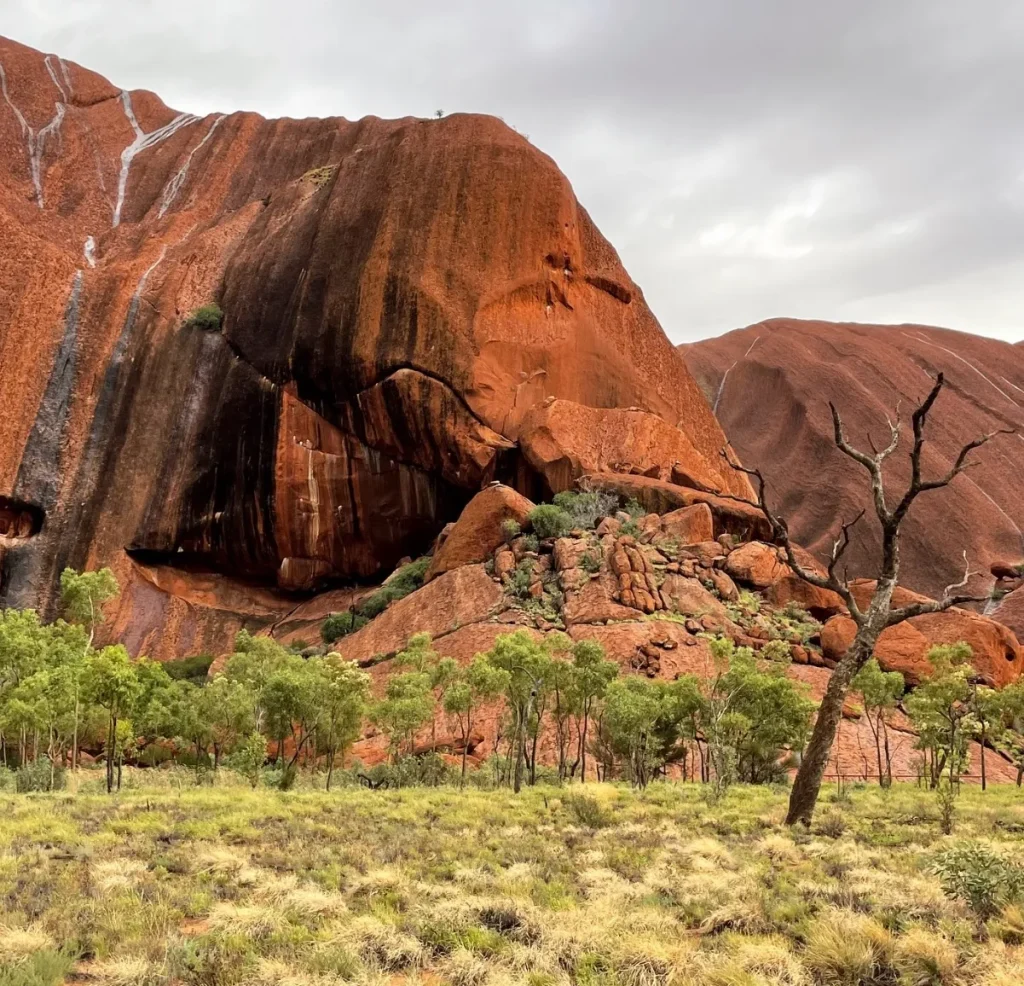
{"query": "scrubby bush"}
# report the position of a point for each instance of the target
(510, 528)
(208, 318)
(339, 625)
(980, 877)
(404, 581)
(586, 810)
(586, 509)
(39, 775)
(195, 668)
(550, 521)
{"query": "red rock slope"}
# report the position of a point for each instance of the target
(770, 385)
(397, 296)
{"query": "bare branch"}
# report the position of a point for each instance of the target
(950, 598)
(917, 485)
(840, 545)
(780, 534)
(873, 464)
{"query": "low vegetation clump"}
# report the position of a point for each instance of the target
(207, 318)
(320, 176)
(550, 521)
(595, 884)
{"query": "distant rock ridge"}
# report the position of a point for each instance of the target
(770, 385)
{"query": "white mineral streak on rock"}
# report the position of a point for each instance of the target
(141, 142)
(35, 141)
(89, 251)
(174, 185)
(47, 61)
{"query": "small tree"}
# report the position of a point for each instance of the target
(478, 683)
(83, 595)
(1013, 734)
(989, 709)
(879, 614)
(880, 692)
(342, 691)
(940, 710)
(592, 673)
(529, 667)
(632, 709)
(111, 682)
(407, 706)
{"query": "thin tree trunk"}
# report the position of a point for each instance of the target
(807, 785)
(984, 778)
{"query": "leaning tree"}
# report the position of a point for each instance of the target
(879, 614)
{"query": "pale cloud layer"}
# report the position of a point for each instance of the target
(748, 159)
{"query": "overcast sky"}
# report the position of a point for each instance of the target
(747, 158)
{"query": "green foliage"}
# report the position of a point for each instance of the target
(249, 757)
(84, 593)
(531, 543)
(586, 810)
(339, 625)
(194, 669)
(510, 529)
(402, 582)
(519, 583)
(880, 691)
(40, 774)
(591, 561)
(550, 521)
(980, 877)
(585, 509)
(941, 712)
(207, 318)
(635, 509)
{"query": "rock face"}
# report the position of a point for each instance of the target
(398, 296)
(770, 385)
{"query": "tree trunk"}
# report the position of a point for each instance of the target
(583, 747)
(888, 755)
(807, 785)
(330, 766)
(984, 778)
(111, 738)
(74, 736)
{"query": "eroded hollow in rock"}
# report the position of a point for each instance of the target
(19, 520)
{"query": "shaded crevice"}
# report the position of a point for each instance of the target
(20, 519)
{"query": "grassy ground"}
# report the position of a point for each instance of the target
(229, 885)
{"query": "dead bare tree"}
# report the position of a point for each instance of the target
(879, 614)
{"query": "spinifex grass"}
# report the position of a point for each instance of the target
(218, 885)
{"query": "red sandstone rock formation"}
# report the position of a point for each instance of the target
(770, 385)
(398, 296)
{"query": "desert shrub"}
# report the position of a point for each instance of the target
(586, 509)
(195, 668)
(520, 582)
(980, 877)
(404, 581)
(39, 775)
(208, 318)
(586, 810)
(634, 508)
(591, 562)
(550, 521)
(281, 778)
(531, 543)
(339, 625)
(408, 578)
(510, 528)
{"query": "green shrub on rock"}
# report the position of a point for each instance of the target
(550, 521)
(209, 318)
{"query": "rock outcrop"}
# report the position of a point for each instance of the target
(770, 385)
(653, 601)
(397, 298)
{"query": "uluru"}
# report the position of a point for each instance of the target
(394, 298)
(411, 572)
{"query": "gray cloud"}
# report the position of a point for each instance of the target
(748, 159)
